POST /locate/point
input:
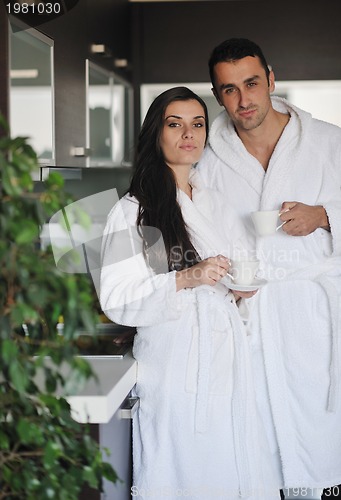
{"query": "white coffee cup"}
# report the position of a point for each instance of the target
(244, 271)
(266, 222)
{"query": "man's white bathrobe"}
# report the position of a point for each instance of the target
(294, 321)
(196, 433)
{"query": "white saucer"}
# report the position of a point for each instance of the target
(257, 283)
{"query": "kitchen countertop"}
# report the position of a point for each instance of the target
(97, 402)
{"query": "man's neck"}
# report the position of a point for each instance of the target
(261, 142)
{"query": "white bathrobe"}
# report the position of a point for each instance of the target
(294, 321)
(196, 433)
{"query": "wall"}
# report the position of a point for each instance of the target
(172, 41)
(301, 39)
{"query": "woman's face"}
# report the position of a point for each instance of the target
(184, 133)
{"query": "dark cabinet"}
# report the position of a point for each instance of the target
(73, 34)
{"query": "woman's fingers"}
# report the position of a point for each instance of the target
(206, 272)
(220, 267)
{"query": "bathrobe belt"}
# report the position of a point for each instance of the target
(334, 369)
(318, 274)
(240, 382)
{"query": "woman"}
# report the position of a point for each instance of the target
(196, 432)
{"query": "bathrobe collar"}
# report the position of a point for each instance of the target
(227, 145)
(198, 214)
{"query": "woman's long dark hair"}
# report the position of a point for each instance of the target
(153, 182)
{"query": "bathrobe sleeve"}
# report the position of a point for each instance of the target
(130, 292)
(328, 137)
(333, 209)
(332, 205)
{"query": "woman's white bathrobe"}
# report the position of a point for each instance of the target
(196, 433)
(295, 320)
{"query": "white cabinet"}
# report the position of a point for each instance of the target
(99, 404)
(116, 436)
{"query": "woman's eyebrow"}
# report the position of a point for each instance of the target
(174, 116)
(180, 117)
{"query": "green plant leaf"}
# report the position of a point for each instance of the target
(27, 233)
(3, 124)
(18, 376)
(54, 181)
(4, 441)
(29, 432)
(51, 453)
(9, 351)
(48, 453)
(89, 476)
(109, 473)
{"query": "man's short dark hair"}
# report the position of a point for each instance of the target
(234, 49)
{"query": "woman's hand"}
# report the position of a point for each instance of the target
(244, 295)
(206, 272)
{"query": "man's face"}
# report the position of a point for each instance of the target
(242, 88)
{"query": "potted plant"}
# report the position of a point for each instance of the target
(44, 453)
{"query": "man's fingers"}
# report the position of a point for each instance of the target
(286, 213)
(287, 205)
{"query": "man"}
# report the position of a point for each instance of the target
(265, 154)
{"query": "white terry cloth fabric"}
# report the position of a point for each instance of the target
(196, 433)
(294, 321)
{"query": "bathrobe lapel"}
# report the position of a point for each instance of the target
(226, 236)
(198, 215)
(285, 159)
(225, 142)
(239, 159)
